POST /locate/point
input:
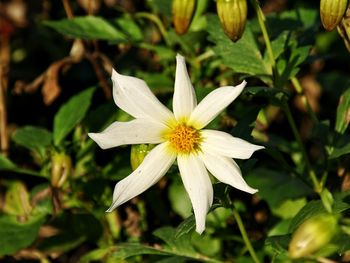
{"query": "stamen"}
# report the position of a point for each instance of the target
(184, 139)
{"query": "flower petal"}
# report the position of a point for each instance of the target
(213, 104)
(198, 186)
(153, 167)
(225, 144)
(227, 171)
(184, 100)
(136, 131)
(133, 96)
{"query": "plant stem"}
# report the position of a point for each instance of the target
(155, 19)
(312, 175)
(245, 236)
(261, 20)
(298, 88)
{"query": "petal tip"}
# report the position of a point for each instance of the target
(179, 56)
(200, 229)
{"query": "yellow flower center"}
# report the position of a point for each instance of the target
(184, 139)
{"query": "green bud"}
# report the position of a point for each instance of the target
(182, 15)
(332, 11)
(312, 235)
(138, 153)
(233, 17)
(17, 201)
(61, 169)
(344, 29)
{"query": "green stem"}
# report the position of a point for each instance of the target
(155, 19)
(245, 236)
(298, 88)
(312, 174)
(261, 20)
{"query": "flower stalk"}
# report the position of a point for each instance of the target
(245, 235)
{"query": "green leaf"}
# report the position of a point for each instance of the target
(130, 28)
(284, 186)
(32, 137)
(179, 199)
(86, 27)
(337, 152)
(314, 208)
(8, 165)
(16, 235)
(243, 56)
(343, 112)
(181, 244)
(187, 226)
(127, 250)
(70, 114)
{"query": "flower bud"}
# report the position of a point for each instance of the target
(332, 11)
(344, 28)
(182, 15)
(61, 169)
(233, 17)
(138, 153)
(312, 235)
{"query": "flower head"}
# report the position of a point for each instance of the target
(180, 136)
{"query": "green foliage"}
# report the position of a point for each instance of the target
(87, 27)
(296, 104)
(15, 235)
(70, 114)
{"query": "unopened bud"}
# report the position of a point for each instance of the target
(344, 28)
(312, 235)
(138, 153)
(332, 11)
(61, 169)
(182, 15)
(233, 17)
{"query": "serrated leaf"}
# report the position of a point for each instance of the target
(87, 27)
(70, 114)
(32, 137)
(243, 56)
(16, 235)
(343, 112)
(188, 225)
(314, 208)
(181, 245)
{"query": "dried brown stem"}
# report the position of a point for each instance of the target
(4, 65)
(99, 74)
(68, 8)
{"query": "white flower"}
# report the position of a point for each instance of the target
(179, 135)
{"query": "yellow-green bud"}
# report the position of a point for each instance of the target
(332, 11)
(138, 153)
(233, 17)
(312, 235)
(61, 169)
(17, 201)
(182, 15)
(344, 28)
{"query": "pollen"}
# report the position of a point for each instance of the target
(184, 139)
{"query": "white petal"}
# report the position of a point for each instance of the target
(213, 104)
(198, 186)
(184, 100)
(153, 167)
(227, 171)
(133, 96)
(132, 132)
(225, 144)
